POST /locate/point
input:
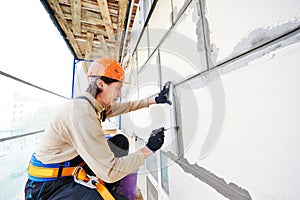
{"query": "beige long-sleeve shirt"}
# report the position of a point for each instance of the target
(76, 130)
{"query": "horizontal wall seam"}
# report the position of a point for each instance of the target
(245, 54)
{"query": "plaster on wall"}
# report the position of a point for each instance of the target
(259, 52)
(229, 190)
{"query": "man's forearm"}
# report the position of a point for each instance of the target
(146, 151)
(151, 101)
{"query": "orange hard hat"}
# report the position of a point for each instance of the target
(107, 67)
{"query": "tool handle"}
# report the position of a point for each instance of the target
(167, 86)
(154, 132)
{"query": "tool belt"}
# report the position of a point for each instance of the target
(39, 172)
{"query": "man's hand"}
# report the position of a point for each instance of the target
(156, 139)
(164, 94)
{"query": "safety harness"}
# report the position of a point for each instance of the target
(102, 114)
(39, 172)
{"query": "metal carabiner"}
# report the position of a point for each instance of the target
(90, 183)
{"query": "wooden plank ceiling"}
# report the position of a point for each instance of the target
(93, 28)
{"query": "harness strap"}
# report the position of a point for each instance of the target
(42, 172)
(93, 182)
(103, 191)
(45, 172)
(85, 98)
(103, 113)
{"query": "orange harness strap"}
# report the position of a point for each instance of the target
(103, 191)
(79, 177)
(92, 182)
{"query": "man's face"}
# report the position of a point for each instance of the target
(111, 93)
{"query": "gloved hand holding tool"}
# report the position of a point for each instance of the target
(164, 94)
(156, 139)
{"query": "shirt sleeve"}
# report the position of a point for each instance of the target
(90, 143)
(121, 108)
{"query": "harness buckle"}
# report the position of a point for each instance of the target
(87, 180)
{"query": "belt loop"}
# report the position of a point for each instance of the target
(60, 169)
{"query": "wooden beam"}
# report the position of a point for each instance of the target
(93, 28)
(121, 19)
(112, 53)
(91, 6)
(57, 12)
(106, 19)
(95, 7)
(103, 45)
(90, 18)
(88, 49)
(76, 16)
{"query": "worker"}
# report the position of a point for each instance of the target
(74, 141)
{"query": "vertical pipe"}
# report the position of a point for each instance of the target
(73, 78)
(125, 32)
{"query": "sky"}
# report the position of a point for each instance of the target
(32, 48)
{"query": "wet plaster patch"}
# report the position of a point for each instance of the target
(229, 190)
(260, 43)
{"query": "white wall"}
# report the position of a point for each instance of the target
(238, 120)
(259, 144)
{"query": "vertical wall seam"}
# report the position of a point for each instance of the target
(159, 69)
(184, 8)
(205, 30)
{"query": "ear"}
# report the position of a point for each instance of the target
(100, 83)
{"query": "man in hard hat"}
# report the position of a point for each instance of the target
(74, 143)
